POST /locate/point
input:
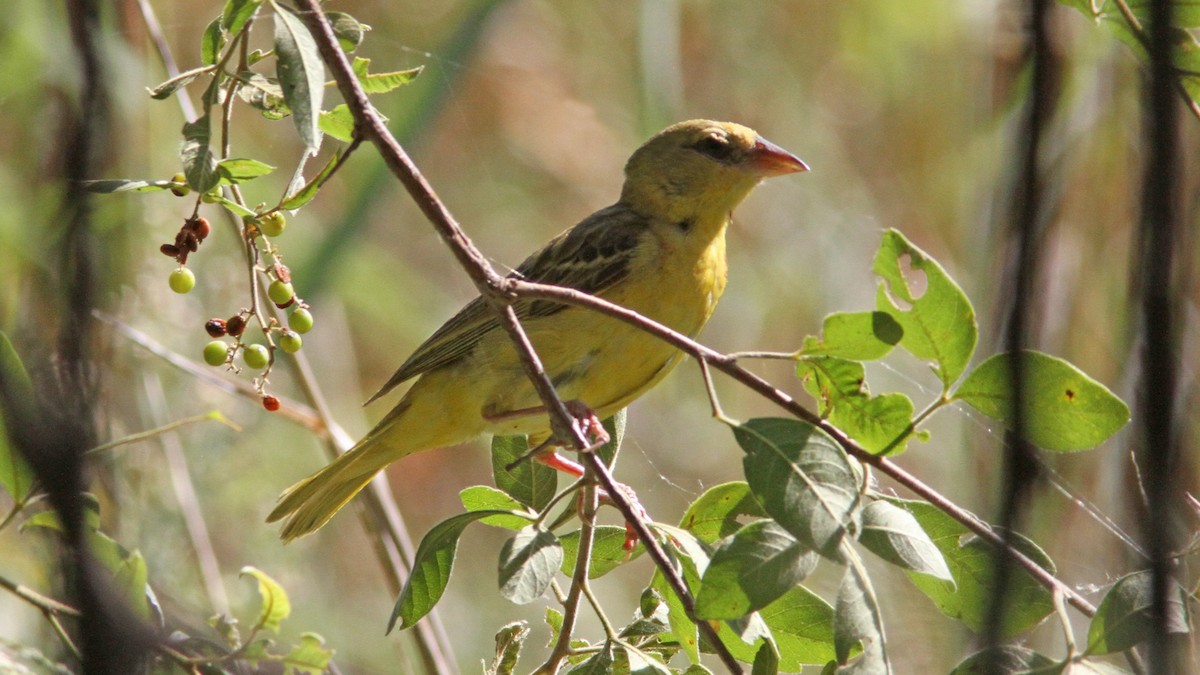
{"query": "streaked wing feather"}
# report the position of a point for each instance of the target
(591, 257)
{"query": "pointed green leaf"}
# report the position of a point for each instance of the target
(166, 89)
(935, 315)
(802, 625)
(239, 170)
(752, 569)
(212, 41)
(484, 498)
(305, 194)
(714, 514)
(309, 656)
(601, 663)
(1065, 410)
(971, 562)
(802, 478)
(894, 534)
(1006, 660)
(237, 13)
(766, 660)
(275, 605)
(861, 336)
(529, 482)
(608, 551)
(1125, 617)
(431, 568)
(879, 423)
(528, 562)
(691, 557)
(111, 185)
(857, 621)
(301, 74)
(199, 165)
(381, 83)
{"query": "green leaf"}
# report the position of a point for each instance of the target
(347, 29)
(971, 562)
(893, 534)
(615, 426)
(338, 123)
(802, 625)
(691, 558)
(528, 562)
(938, 320)
(880, 424)
(212, 41)
(861, 336)
(608, 551)
(484, 498)
(642, 663)
(301, 74)
(111, 185)
(241, 170)
(234, 207)
(166, 89)
(199, 165)
(237, 13)
(262, 93)
(857, 621)
(305, 194)
(766, 660)
(529, 482)
(1125, 617)
(802, 478)
(601, 663)
(275, 605)
(1065, 410)
(714, 514)
(17, 398)
(509, 640)
(431, 568)
(1006, 660)
(752, 569)
(309, 656)
(381, 83)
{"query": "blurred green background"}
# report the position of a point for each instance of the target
(522, 120)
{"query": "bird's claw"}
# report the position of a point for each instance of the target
(586, 423)
(631, 535)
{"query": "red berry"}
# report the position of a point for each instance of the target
(270, 403)
(215, 327)
(235, 325)
(200, 228)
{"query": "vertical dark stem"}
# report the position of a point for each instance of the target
(1157, 388)
(1020, 462)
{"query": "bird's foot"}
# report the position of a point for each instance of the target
(586, 423)
(631, 535)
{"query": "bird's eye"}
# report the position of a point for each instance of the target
(717, 147)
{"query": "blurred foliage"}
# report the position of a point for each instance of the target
(521, 120)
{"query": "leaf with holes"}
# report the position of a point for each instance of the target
(934, 313)
(880, 424)
(803, 479)
(1065, 410)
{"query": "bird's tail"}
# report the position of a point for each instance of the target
(309, 504)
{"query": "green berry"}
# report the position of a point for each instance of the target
(301, 321)
(180, 189)
(256, 356)
(290, 342)
(215, 353)
(182, 280)
(272, 224)
(280, 292)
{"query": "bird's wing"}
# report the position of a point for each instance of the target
(591, 257)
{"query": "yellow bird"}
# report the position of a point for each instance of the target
(660, 251)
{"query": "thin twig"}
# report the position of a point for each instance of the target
(587, 532)
(165, 428)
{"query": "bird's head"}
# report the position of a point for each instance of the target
(701, 166)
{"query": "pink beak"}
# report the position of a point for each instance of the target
(769, 160)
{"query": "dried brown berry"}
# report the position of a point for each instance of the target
(282, 273)
(235, 325)
(215, 327)
(284, 305)
(169, 249)
(191, 241)
(270, 403)
(200, 228)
